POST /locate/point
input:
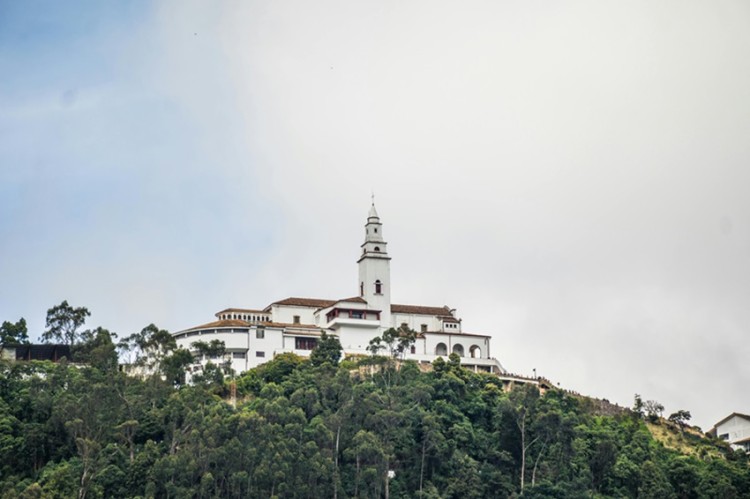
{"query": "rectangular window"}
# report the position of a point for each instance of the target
(424, 328)
(305, 343)
(260, 333)
(260, 354)
(355, 314)
(238, 355)
(296, 319)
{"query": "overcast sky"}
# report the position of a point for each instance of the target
(571, 176)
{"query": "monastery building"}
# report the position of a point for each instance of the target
(254, 336)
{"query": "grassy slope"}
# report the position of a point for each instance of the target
(691, 442)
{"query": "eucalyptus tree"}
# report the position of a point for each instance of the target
(63, 322)
(11, 333)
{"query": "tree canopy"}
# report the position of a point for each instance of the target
(300, 428)
(14, 333)
(328, 349)
(63, 322)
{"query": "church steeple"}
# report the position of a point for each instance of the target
(374, 245)
(375, 269)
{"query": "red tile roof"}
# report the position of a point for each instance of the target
(396, 309)
(240, 310)
(289, 326)
(237, 323)
(355, 299)
(420, 310)
(303, 302)
(317, 303)
(220, 324)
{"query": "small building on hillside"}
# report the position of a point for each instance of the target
(26, 352)
(735, 429)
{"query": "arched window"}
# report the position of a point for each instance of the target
(378, 287)
(361, 289)
(377, 249)
(475, 352)
(458, 349)
(441, 349)
(413, 349)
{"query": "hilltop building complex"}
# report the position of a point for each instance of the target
(254, 336)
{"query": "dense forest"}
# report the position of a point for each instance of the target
(308, 428)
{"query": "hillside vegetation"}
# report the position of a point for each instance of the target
(312, 428)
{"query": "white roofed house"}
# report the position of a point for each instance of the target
(254, 336)
(735, 429)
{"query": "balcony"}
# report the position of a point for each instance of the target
(468, 362)
(352, 322)
(353, 317)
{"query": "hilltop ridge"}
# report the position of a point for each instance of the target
(302, 428)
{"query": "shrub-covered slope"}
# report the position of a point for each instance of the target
(295, 429)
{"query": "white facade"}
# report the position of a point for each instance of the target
(735, 429)
(375, 268)
(253, 336)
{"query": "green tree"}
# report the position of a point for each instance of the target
(150, 346)
(14, 333)
(63, 322)
(654, 483)
(396, 342)
(683, 475)
(90, 410)
(214, 349)
(328, 349)
(654, 410)
(638, 406)
(523, 403)
(680, 418)
(212, 374)
(173, 366)
(96, 349)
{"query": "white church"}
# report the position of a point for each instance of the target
(254, 336)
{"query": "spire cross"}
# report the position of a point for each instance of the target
(373, 197)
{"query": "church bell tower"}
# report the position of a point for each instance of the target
(375, 269)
